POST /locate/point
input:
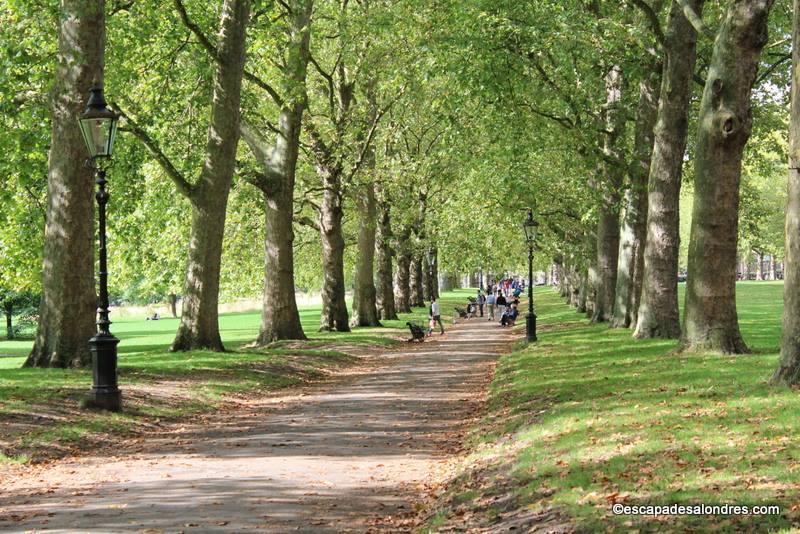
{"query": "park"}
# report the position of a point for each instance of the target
(412, 266)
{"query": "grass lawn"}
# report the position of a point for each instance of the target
(40, 409)
(589, 417)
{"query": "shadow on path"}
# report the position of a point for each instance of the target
(349, 456)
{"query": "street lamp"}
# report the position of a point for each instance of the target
(99, 127)
(431, 281)
(530, 226)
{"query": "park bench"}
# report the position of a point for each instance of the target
(417, 332)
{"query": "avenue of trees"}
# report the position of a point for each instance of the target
(269, 146)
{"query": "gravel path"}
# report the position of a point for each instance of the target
(352, 455)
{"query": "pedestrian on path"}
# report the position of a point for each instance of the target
(501, 303)
(435, 317)
(481, 301)
(490, 301)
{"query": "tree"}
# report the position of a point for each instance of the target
(788, 371)
(365, 311)
(280, 318)
(208, 195)
(724, 126)
(658, 308)
(608, 230)
(634, 222)
(633, 233)
(66, 318)
(384, 253)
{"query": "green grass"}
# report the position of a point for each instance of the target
(588, 417)
(44, 404)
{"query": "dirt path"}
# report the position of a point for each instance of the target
(350, 456)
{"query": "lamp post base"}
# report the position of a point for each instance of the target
(105, 399)
(530, 327)
(105, 394)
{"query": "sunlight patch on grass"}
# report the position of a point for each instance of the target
(589, 416)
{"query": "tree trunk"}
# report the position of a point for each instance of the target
(67, 311)
(9, 309)
(634, 224)
(585, 292)
(788, 371)
(365, 311)
(725, 123)
(760, 266)
(402, 284)
(334, 315)
(771, 267)
(608, 219)
(280, 318)
(173, 304)
(427, 279)
(417, 290)
(658, 308)
(386, 302)
(199, 328)
(435, 277)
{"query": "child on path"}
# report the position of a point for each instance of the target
(435, 317)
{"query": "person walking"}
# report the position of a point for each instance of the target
(481, 301)
(501, 303)
(436, 316)
(490, 301)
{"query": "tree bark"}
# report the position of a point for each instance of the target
(585, 296)
(9, 310)
(435, 277)
(725, 123)
(760, 266)
(365, 311)
(417, 289)
(788, 371)
(67, 312)
(385, 290)
(427, 279)
(658, 308)
(608, 219)
(402, 296)
(634, 224)
(173, 304)
(280, 318)
(199, 328)
(334, 315)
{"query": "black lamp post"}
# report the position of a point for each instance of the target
(99, 127)
(431, 281)
(530, 226)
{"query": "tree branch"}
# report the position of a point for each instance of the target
(196, 30)
(209, 47)
(652, 18)
(371, 134)
(783, 59)
(694, 19)
(183, 185)
(307, 221)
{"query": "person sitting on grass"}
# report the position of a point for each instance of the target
(510, 316)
